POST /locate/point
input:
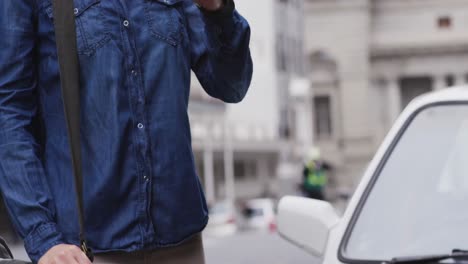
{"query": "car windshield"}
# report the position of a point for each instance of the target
(417, 206)
(251, 212)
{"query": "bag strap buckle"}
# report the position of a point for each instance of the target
(88, 252)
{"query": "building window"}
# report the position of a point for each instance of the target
(239, 169)
(299, 57)
(444, 22)
(412, 87)
(323, 124)
(449, 80)
(280, 54)
(291, 51)
(285, 127)
(244, 169)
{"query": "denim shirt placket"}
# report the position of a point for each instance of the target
(140, 136)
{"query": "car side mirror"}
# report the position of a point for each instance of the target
(306, 223)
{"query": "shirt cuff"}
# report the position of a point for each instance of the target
(40, 240)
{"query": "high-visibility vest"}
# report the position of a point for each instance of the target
(316, 177)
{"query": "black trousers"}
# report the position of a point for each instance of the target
(315, 194)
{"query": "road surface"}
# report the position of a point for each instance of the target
(253, 248)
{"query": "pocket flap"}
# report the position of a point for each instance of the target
(80, 7)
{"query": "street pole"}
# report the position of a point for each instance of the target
(229, 163)
(208, 165)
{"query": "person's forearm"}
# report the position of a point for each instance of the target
(22, 176)
(221, 55)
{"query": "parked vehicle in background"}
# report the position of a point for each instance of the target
(409, 206)
(222, 220)
(259, 215)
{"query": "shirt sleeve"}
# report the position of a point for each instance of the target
(22, 177)
(220, 54)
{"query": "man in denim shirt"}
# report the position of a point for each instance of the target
(143, 200)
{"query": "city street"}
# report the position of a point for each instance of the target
(250, 248)
(242, 248)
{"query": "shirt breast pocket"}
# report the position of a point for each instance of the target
(165, 21)
(91, 32)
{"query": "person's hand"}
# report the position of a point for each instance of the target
(64, 254)
(210, 5)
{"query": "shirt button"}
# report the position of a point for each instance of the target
(134, 73)
(75, 11)
(126, 23)
(140, 126)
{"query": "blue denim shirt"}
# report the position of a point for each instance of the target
(140, 185)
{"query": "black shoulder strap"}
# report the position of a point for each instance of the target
(65, 34)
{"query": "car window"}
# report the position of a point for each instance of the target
(417, 204)
(250, 212)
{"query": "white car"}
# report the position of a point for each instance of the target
(410, 206)
(222, 220)
(259, 215)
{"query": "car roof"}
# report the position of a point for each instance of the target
(260, 202)
(453, 94)
(458, 93)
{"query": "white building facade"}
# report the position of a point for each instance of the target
(368, 59)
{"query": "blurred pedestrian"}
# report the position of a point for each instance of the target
(142, 196)
(315, 175)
